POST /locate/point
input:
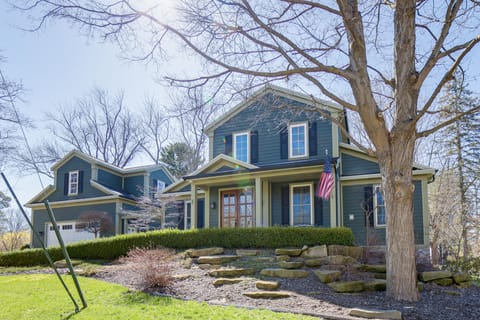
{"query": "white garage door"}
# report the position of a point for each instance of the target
(69, 233)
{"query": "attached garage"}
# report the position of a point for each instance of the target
(69, 231)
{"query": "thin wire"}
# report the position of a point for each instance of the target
(14, 108)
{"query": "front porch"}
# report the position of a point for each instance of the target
(237, 194)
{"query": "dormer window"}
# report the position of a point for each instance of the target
(160, 185)
(241, 146)
(298, 140)
(73, 183)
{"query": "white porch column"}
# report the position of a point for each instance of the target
(266, 203)
(194, 205)
(207, 209)
(258, 202)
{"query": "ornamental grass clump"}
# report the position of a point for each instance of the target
(150, 268)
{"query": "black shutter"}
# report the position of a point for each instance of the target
(285, 206)
(200, 213)
(254, 147)
(65, 184)
(80, 181)
(312, 139)
(228, 145)
(284, 143)
(318, 210)
(368, 205)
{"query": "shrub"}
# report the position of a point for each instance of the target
(150, 268)
(469, 265)
(114, 247)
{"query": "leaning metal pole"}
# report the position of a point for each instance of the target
(65, 252)
(37, 236)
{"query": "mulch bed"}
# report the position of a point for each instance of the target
(309, 296)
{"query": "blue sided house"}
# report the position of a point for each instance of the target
(83, 186)
(266, 157)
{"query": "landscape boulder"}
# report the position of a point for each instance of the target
(292, 252)
(434, 275)
(267, 285)
(235, 272)
(315, 252)
(376, 314)
(217, 259)
(284, 273)
(347, 286)
(267, 294)
(195, 253)
(327, 276)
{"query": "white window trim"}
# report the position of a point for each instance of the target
(298, 185)
(70, 182)
(185, 214)
(290, 140)
(160, 185)
(375, 207)
(235, 135)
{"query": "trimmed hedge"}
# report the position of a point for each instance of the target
(114, 247)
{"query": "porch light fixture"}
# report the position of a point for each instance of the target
(213, 205)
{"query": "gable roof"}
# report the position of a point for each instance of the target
(278, 91)
(92, 160)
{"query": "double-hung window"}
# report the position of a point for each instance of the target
(241, 146)
(379, 213)
(73, 183)
(301, 204)
(298, 140)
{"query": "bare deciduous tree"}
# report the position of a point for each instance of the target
(10, 93)
(345, 50)
(97, 222)
(99, 125)
(156, 126)
(193, 112)
(13, 230)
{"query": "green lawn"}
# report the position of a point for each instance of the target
(41, 296)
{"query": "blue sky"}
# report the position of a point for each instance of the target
(57, 65)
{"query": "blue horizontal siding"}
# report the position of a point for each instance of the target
(74, 164)
(353, 198)
(267, 116)
(352, 165)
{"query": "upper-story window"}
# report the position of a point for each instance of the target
(241, 146)
(73, 183)
(379, 213)
(160, 185)
(298, 140)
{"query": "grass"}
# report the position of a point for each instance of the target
(41, 296)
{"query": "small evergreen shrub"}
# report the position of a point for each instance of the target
(229, 238)
(150, 268)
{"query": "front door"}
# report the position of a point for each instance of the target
(237, 208)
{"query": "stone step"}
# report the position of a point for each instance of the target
(246, 252)
(223, 281)
(327, 276)
(292, 252)
(376, 314)
(347, 286)
(267, 294)
(195, 253)
(267, 285)
(221, 259)
(434, 275)
(376, 285)
(284, 273)
(290, 264)
(235, 272)
(375, 268)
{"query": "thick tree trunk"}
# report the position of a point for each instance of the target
(398, 190)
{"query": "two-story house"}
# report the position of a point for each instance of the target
(265, 160)
(85, 185)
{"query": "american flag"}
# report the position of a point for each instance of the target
(326, 182)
